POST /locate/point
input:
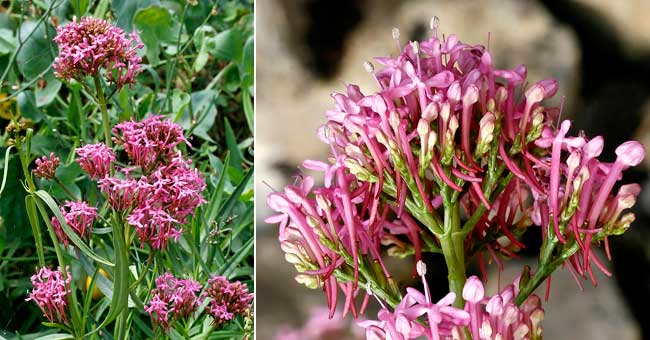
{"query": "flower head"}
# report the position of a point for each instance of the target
(50, 293)
(227, 299)
(172, 299)
(46, 167)
(89, 45)
(149, 142)
(95, 159)
(79, 216)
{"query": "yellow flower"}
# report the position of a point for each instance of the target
(97, 294)
(5, 106)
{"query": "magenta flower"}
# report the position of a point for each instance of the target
(172, 299)
(95, 159)
(498, 317)
(46, 167)
(443, 321)
(227, 299)
(90, 45)
(79, 216)
(318, 327)
(158, 189)
(150, 142)
(50, 293)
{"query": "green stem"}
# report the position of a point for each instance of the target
(65, 189)
(453, 248)
(102, 106)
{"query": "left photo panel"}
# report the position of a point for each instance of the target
(126, 169)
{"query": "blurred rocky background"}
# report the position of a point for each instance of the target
(599, 50)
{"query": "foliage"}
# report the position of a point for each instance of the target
(198, 72)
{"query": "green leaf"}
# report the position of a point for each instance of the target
(7, 41)
(47, 199)
(247, 66)
(79, 7)
(249, 111)
(155, 25)
(30, 205)
(124, 11)
(45, 95)
(57, 336)
(38, 51)
(233, 147)
(205, 112)
(27, 105)
(204, 42)
(240, 256)
(228, 45)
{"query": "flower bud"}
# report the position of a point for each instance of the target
(309, 281)
(430, 112)
(473, 291)
(630, 153)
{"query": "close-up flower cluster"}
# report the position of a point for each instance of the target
(79, 216)
(451, 155)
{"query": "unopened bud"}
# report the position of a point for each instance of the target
(534, 94)
(471, 95)
(423, 128)
(430, 112)
(453, 92)
(309, 281)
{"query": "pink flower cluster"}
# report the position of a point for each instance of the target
(227, 299)
(46, 167)
(88, 45)
(95, 159)
(447, 130)
(172, 299)
(149, 142)
(50, 293)
(79, 216)
(484, 317)
(158, 188)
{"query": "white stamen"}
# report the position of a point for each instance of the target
(395, 33)
(369, 67)
(421, 268)
(416, 47)
(433, 24)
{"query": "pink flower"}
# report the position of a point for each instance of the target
(227, 299)
(172, 299)
(150, 142)
(50, 293)
(442, 319)
(158, 190)
(79, 216)
(46, 167)
(154, 226)
(318, 327)
(95, 159)
(92, 44)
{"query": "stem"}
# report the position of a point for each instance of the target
(65, 189)
(102, 106)
(453, 248)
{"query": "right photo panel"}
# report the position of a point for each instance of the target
(452, 169)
